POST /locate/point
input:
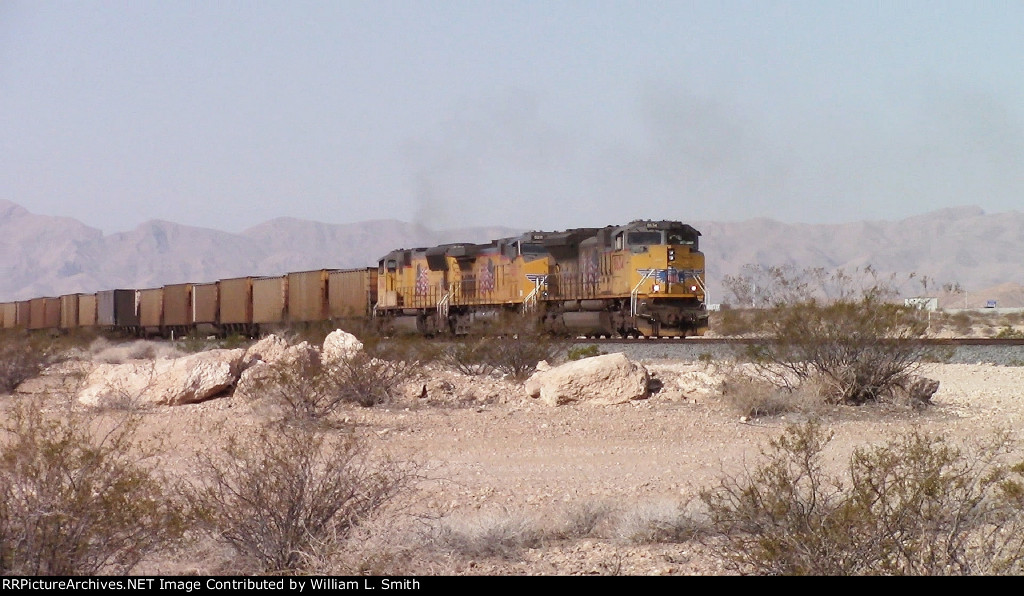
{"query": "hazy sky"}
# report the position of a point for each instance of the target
(531, 114)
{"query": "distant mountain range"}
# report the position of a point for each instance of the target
(49, 256)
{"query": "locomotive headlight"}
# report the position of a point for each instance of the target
(693, 288)
(671, 254)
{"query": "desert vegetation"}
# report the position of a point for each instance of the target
(917, 505)
(22, 357)
(339, 466)
(512, 346)
(287, 498)
(80, 495)
(841, 335)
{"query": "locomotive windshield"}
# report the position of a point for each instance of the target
(681, 238)
(641, 238)
(658, 237)
(527, 248)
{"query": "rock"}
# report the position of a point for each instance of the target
(174, 381)
(301, 354)
(606, 379)
(302, 360)
(340, 345)
(270, 349)
(253, 380)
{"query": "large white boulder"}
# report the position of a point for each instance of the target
(603, 380)
(270, 349)
(340, 345)
(189, 379)
(298, 360)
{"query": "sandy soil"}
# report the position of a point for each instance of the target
(487, 450)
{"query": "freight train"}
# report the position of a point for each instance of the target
(645, 279)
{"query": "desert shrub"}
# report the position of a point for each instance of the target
(78, 499)
(409, 353)
(581, 352)
(490, 534)
(732, 322)
(310, 390)
(470, 356)
(581, 519)
(235, 341)
(659, 522)
(512, 346)
(367, 381)
(194, 343)
(840, 331)
(754, 397)
(23, 356)
(916, 505)
(1009, 332)
(961, 323)
(286, 498)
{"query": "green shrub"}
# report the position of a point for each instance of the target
(1008, 332)
(917, 505)
(581, 352)
(841, 332)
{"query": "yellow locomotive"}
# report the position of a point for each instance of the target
(645, 278)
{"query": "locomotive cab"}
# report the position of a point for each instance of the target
(667, 296)
(645, 278)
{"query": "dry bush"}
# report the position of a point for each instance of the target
(841, 331)
(367, 381)
(286, 500)
(23, 356)
(581, 519)
(78, 499)
(412, 350)
(311, 390)
(960, 323)
(917, 505)
(755, 397)
(470, 356)
(732, 322)
(660, 522)
(491, 534)
(504, 534)
(512, 346)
